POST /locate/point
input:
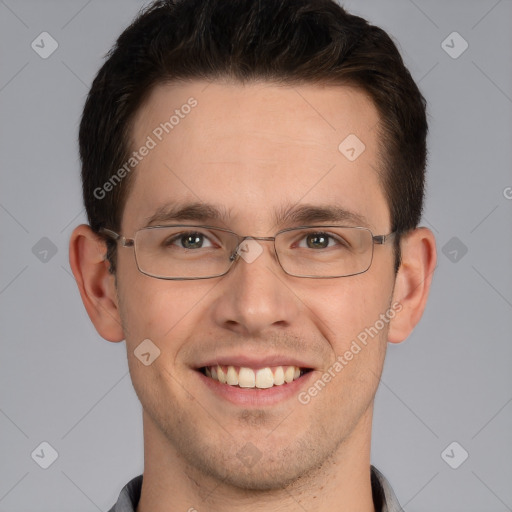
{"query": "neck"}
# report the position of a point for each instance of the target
(342, 483)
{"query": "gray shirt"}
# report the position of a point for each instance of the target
(384, 498)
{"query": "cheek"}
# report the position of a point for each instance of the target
(158, 309)
(350, 310)
(350, 320)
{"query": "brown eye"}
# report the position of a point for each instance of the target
(317, 241)
(190, 240)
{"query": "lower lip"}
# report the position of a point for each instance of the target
(255, 397)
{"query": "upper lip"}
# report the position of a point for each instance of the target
(249, 361)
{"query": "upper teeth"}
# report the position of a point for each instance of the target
(253, 378)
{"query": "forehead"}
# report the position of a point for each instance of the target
(253, 150)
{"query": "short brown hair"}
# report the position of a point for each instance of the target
(283, 41)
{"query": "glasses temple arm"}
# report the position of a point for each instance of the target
(382, 239)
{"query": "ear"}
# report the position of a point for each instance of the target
(413, 280)
(96, 284)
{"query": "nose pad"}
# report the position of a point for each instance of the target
(238, 251)
(248, 249)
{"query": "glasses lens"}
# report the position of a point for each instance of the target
(325, 251)
(184, 252)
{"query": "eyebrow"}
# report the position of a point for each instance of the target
(311, 214)
(176, 212)
(303, 214)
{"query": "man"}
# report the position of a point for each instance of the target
(253, 176)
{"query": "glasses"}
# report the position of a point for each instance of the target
(181, 252)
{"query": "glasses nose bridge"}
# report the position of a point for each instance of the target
(261, 238)
(257, 238)
(243, 238)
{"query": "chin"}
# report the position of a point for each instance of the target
(272, 470)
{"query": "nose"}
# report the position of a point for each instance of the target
(255, 295)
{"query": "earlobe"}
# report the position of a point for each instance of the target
(413, 281)
(96, 284)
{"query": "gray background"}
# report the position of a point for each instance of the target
(451, 381)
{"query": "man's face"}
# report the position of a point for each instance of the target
(256, 153)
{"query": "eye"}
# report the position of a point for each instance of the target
(191, 240)
(319, 240)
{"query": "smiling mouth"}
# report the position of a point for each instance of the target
(249, 378)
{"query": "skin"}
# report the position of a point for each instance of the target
(255, 150)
